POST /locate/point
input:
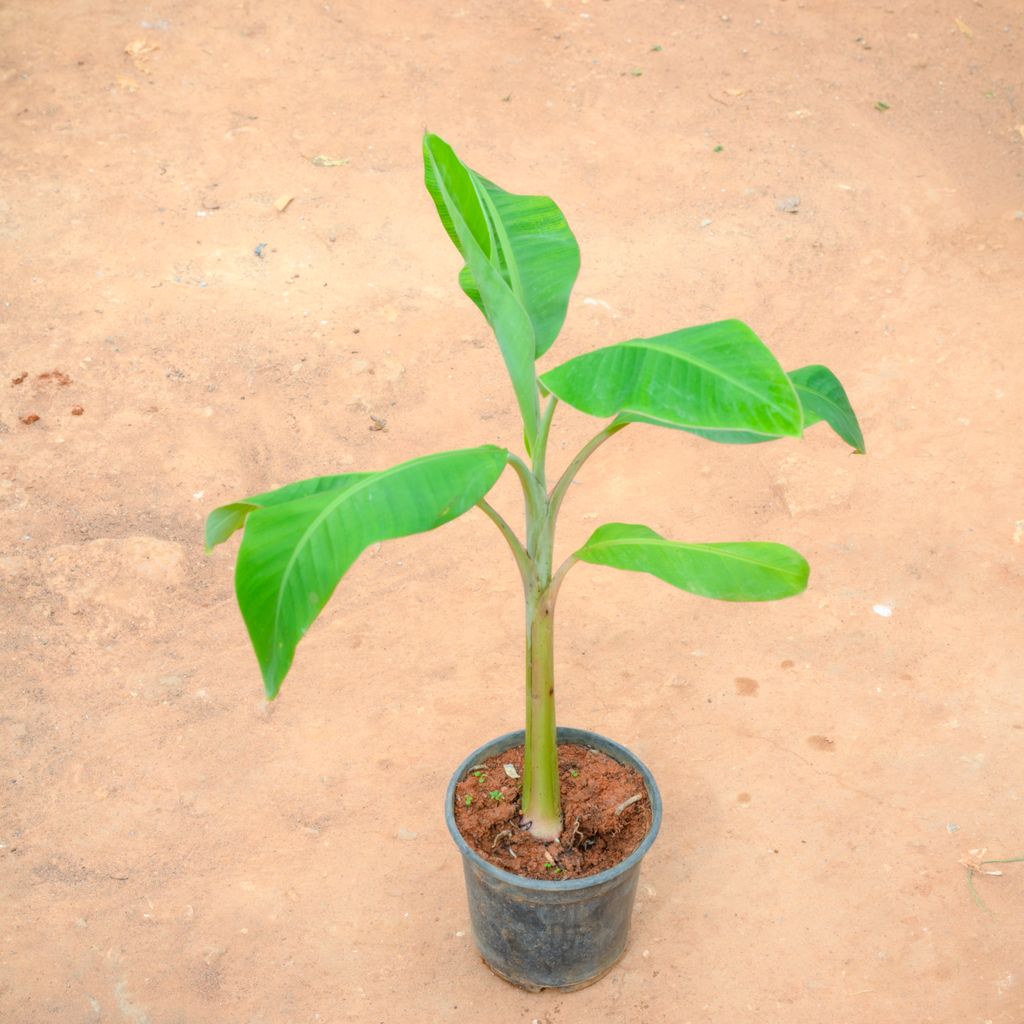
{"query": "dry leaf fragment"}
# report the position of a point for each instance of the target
(975, 861)
(128, 84)
(138, 50)
(329, 161)
(964, 27)
(281, 204)
(735, 92)
(1020, 130)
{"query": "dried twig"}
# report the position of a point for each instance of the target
(625, 803)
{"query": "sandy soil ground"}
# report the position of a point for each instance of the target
(173, 849)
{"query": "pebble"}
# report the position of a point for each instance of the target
(788, 204)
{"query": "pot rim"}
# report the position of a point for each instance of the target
(566, 734)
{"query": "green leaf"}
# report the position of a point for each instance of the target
(718, 376)
(295, 550)
(729, 572)
(538, 256)
(822, 398)
(224, 521)
(461, 209)
(525, 238)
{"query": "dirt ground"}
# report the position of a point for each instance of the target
(172, 848)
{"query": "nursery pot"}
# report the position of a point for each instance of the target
(541, 934)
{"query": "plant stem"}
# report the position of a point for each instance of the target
(521, 557)
(540, 455)
(541, 797)
(542, 805)
(558, 493)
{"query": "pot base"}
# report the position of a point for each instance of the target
(574, 987)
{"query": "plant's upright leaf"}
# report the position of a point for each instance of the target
(295, 551)
(222, 522)
(538, 256)
(729, 572)
(526, 238)
(462, 212)
(718, 376)
(822, 398)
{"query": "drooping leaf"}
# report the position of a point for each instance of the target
(461, 209)
(294, 552)
(718, 376)
(749, 571)
(822, 397)
(222, 522)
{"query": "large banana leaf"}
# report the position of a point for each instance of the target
(718, 376)
(729, 572)
(301, 540)
(823, 399)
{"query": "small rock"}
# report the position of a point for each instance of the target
(406, 834)
(788, 204)
(705, 222)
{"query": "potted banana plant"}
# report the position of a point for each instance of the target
(566, 925)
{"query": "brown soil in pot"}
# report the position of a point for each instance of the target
(603, 822)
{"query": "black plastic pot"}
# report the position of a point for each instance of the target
(540, 934)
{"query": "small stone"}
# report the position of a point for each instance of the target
(406, 834)
(788, 204)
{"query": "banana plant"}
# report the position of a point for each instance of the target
(717, 381)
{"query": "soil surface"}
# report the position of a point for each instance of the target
(221, 273)
(605, 811)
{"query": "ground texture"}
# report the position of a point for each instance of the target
(847, 178)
